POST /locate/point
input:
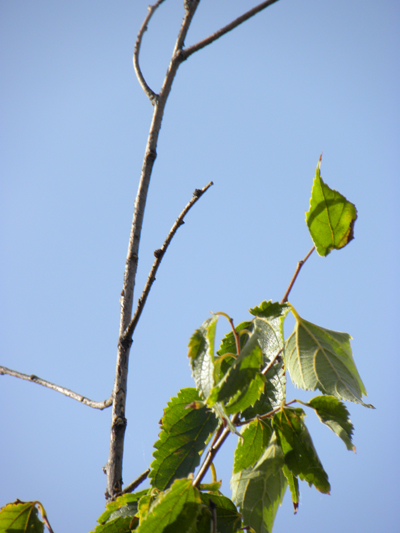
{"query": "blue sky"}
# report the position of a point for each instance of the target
(252, 112)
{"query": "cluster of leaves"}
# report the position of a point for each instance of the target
(241, 388)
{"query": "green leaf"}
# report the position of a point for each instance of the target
(335, 415)
(20, 517)
(270, 310)
(201, 353)
(322, 358)
(227, 517)
(122, 524)
(184, 435)
(258, 491)
(298, 449)
(293, 483)
(250, 448)
(125, 505)
(175, 510)
(243, 384)
(331, 217)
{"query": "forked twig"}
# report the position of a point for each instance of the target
(57, 388)
(159, 254)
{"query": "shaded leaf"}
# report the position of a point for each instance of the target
(175, 509)
(293, 483)
(243, 384)
(250, 448)
(321, 358)
(201, 353)
(258, 491)
(331, 217)
(298, 448)
(184, 435)
(118, 525)
(124, 506)
(335, 415)
(20, 517)
(227, 517)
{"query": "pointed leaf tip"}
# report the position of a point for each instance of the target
(331, 217)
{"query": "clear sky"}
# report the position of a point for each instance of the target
(252, 112)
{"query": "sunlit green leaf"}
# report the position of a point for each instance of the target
(298, 448)
(331, 217)
(335, 415)
(250, 448)
(258, 491)
(183, 437)
(20, 517)
(201, 353)
(319, 358)
(175, 510)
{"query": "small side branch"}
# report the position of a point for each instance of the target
(149, 92)
(229, 27)
(159, 254)
(298, 268)
(58, 388)
(138, 481)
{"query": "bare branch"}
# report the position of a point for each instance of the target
(150, 93)
(58, 388)
(118, 424)
(229, 27)
(212, 452)
(159, 254)
(138, 481)
(298, 268)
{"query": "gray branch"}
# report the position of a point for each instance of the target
(58, 388)
(150, 93)
(159, 254)
(118, 423)
(229, 27)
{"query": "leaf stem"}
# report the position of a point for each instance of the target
(298, 268)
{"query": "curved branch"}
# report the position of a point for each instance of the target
(159, 254)
(149, 92)
(58, 388)
(229, 27)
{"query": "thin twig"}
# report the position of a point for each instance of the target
(229, 27)
(298, 268)
(138, 481)
(267, 415)
(271, 363)
(213, 450)
(159, 254)
(118, 423)
(149, 92)
(57, 388)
